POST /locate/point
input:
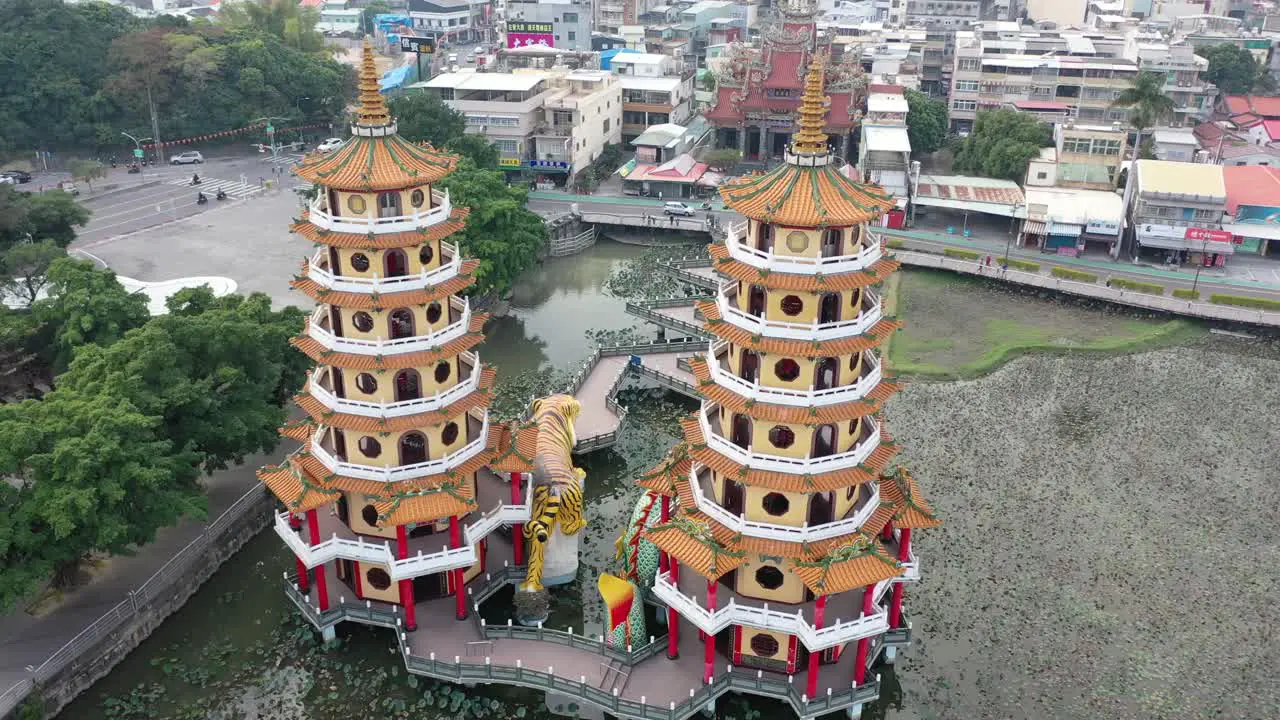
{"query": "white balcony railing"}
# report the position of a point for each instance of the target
(795, 398)
(739, 250)
(403, 407)
(421, 563)
(317, 270)
(778, 463)
(785, 533)
(838, 632)
(319, 216)
(802, 331)
(413, 343)
(399, 472)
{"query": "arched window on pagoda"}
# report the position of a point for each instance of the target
(829, 309)
(413, 448)
(764, 237)
(749, 366)
(755, 301)
(824, 441)
(828, 373)
(408, 385)
(394, 263)
(389, 204)
(822, 508)
(741, 431)
(401, 321)
(831, 242)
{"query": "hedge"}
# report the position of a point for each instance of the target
(1141, 287)
(1246, 302)
(896, 243)
(1186, 293)
(1067, 274)
(962, 254)
(1027, 265)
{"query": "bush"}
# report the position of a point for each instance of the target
(896, 243)
(1186, 293)
(961, 254)
(1078, 276)
(1246, 302)
(1142, 287)
(1025, 265)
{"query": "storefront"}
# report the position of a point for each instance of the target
(1177, 245)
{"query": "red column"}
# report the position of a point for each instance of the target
(709, 656)
(904, 554)
(517, 529)
(887, 533)
(459, 592)
(673, 618)
(860, 662)
(359, 582)
(815, 656)
(406, 585)
(304, 582)
(322, 588)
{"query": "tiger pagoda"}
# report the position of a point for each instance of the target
(772, 546)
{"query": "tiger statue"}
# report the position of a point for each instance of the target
(557, 484)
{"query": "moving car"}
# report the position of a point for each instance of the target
(329, 145)
(677, 208)
(18, 176)
(68, 186)
(191, 157)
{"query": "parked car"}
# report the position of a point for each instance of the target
(7, 180)
(19, 176)
(329, 145)
(68, 186)
(191, 157)
(677, 208)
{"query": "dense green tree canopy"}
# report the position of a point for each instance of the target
(1001, 145)
(926, 122)
(501, 232)
(75, 75)
(38, 216)
(423, 116)
(86, 306)
(1231, 68)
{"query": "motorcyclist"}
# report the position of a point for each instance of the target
(222, 194)
(201, 199)
(195, 178)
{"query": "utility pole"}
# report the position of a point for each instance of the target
(155, 126)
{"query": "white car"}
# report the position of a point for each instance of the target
(330, 145)
(677, 208)
(191, 157)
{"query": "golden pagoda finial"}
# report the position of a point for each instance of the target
(811, 139)
(373, 107)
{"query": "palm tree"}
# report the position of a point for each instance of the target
(1147, 102)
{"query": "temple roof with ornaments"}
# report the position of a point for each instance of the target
(375, 157)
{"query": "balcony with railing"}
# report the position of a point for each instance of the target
(819, 459)
(843, 619)
(450, 265)
(821, 329)
(318, 214)
(701, 480)
(427, 553)
(870, 376)
(740, 248)
(318, 328)
(323, 449)
(320, 385)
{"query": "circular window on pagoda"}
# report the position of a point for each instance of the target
(369, 447)
(786, 369)
(356, 204)
(797, 242)
(363, 321)
(366, 383)
(449, 435)
(782, 436)
(792, 305)
(442, 371)
(416, 198)
(764, 645)
(776, 504)
(769, 577)
(426, 254)
(359, 262)
(369, 514)
(378, 578)
(433, 312)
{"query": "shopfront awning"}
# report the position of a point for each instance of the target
(1161, 242)
(1033, 227)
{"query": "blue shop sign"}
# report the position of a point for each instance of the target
(556, 164)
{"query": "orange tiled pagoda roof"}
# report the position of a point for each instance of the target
(911, 511)
(353, 361)
(696, 548)
(380, 241)
(515, 448)
(321, 413)
(726, 265)
(717, 326)
(370, 301)
(812, 415)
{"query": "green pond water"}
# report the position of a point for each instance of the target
(238, 649)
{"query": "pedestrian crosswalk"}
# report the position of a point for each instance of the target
(286, 159)
(237, 189)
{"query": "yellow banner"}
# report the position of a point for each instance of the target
(509, 162)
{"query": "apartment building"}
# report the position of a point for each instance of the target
(1087, 157)
(943, 13)
(1062, 13)
(655, 91)
(1178, 208)
(548, 123)
(453, 21)
(901, 56)
(570, 21)
(884, 150)
(1193, 96)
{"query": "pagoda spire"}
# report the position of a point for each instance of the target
(811, 138)
(373, 107)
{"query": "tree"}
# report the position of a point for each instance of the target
(1001, 145)
(85, 306)
(1232, 69)
(501, 232)
(926, 122)
(216, 371)
(26, 269)
(86, 171)
(31, 217)
(723, 159)
(1147, 103)
(424, 116)
(476, 148)
(284, 20)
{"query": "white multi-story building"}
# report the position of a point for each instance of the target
(452, 21)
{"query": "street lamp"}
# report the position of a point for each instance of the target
(137, 149)
(271, 132)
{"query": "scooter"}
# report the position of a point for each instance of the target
(195, 179)
(134, 168)
(113, 161)
(201, 199)
(222, 195)
(706, 206)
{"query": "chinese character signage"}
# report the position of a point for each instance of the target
(420, 45)
(1202, 234)
(557, 164)
(530, 34)
(509, 162)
